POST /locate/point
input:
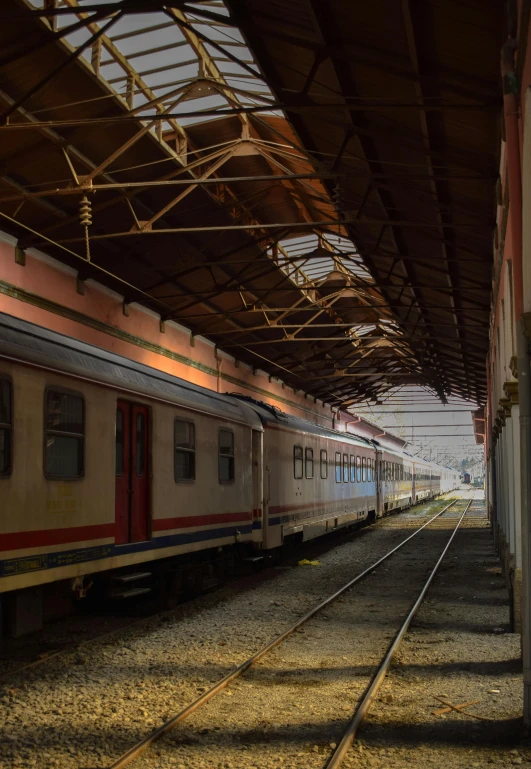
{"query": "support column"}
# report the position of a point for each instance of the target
(524, 396)
(494, 492)
(511, 391)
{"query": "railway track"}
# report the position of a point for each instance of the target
(51, 654)
(457, 509)
(340, 752)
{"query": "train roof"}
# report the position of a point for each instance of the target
(271, 415)
(29, 343)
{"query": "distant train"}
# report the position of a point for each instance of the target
(110, 468)
(466, 478)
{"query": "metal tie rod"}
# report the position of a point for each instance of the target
(341, 751)
(144, 744)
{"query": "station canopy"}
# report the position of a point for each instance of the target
(309, 184)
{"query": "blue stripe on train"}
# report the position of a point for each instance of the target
(29, 563)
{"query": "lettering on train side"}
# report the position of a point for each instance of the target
(62, 505)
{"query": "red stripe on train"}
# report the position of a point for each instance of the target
(187, 522)
(276, 509)
(19, 540)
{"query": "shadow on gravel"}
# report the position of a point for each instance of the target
(395, 733)
(464, 625)
(460, 731)
(493, 668)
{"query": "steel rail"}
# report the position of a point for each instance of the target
(341, 751)
(147, 741)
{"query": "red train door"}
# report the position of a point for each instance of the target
(132, 473)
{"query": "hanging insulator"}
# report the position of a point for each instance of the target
(85, 212)
(338, 198)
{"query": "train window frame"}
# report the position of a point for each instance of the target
(338, 466)
(184, 450)
(8, 427)
(323, 457)
(345, 468)
(352, 468)
(81, 437)
(296, 460)
(358, 469)
(225, 455)
(364, 469)
(308, 459)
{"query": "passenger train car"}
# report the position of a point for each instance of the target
(111, 468)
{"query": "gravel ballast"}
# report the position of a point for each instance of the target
(86, 707)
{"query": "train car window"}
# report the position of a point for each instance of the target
(64, 435)
(369, 468)
(338, 467)
(119, 442)
(352, 468)
(358, 469)
(297, 462)
(308, 461)
(6, 426)
(226, 456)
(345, 468)
(184, 455)
(324, 464)
(363, 469)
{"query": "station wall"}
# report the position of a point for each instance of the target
(46, 292)
(50, 294)
(510, 303)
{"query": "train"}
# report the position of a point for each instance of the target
(116, 476)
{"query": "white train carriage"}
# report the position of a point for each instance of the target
(109, 467)
(396, 480)
(106, 463)
(423, 488)
(315, 479)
